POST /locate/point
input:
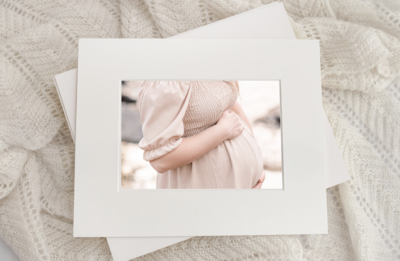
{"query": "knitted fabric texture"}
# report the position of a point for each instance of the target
(208, 101)
(360, 62)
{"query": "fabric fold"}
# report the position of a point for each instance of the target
(151, 154)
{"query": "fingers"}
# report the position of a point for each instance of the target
(262, 178)
(240, 122)
(231, 122)
(260, 181)
(257, 186)
(229, 111)
(240, 129)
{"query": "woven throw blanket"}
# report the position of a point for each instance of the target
(360, 62)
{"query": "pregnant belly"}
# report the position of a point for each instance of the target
(234, 164)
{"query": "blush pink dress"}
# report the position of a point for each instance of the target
(173, 110)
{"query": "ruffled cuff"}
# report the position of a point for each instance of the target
(151, 152)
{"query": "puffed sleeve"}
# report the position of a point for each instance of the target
(162, 105)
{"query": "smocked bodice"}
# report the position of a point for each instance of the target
(207, 102)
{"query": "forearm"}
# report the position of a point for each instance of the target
(190, 149)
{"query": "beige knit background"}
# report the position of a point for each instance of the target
(360, 62)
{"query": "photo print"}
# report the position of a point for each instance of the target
(201, 135)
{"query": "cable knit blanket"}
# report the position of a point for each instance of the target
(360, 62)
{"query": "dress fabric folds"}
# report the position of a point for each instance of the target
(173, 110)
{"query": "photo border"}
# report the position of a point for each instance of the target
(102, 209)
